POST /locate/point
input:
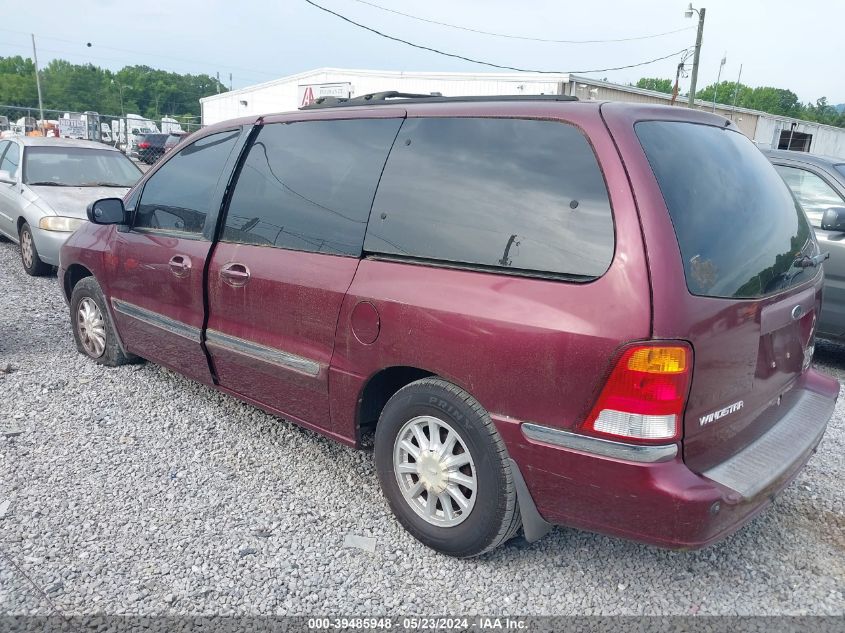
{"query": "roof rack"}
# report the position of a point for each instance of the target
(390, 97)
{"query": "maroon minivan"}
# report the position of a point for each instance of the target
(598, 315)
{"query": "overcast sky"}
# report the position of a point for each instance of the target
(794, 45)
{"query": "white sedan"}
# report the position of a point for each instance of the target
(46, 185)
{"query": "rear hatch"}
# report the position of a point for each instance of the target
(750, 290)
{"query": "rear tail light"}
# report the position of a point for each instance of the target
(143, 145)
(645, 395)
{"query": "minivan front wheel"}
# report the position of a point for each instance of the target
(93, 329)
(32, 263)
(442, 468)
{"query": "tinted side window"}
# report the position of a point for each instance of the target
(309, 186)
(11, 160)
(814, 194)
(179, 195)
(507, 193)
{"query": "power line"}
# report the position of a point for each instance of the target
(483, 63)
(520, 37)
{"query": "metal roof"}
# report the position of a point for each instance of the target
(804, 157)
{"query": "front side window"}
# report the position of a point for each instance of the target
(11, 160)
(309, 186)
(814, 194)
(179, 196)
(66, 166)
(739, 229)
(513, 195)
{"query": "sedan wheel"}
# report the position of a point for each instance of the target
(26, 248)
(32, 263)
(92, 328)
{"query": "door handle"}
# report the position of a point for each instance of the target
(180, 265)
(235, 274)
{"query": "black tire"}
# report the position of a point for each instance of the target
(112, 355)
(35, 267)
(494, 518)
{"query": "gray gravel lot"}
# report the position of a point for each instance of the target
(134, 490)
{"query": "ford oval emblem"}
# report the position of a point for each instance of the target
(797, 311)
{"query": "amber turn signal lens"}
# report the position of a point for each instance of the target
(659, 360)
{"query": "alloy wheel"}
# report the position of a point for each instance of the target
(435, 471)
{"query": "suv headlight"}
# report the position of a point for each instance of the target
(60, 223)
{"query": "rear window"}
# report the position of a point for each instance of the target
(738, 226)
(515, 195)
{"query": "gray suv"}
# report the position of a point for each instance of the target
(818, 183)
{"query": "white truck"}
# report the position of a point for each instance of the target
(171, 125)
(105, 133)
(128, 140)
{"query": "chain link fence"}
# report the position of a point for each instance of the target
(127, 132)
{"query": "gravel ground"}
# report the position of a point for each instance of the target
(136, 491)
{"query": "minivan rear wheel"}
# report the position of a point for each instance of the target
(93, 329)
(442, 468)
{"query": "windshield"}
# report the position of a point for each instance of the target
(78, 167)
(739, 228)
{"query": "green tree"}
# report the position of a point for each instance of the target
(724, 93)
(822, 112)
(654, 83)
(775, 100)
(17, 81)
(79, 87)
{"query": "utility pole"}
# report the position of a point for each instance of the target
(698, 37)
(38, 83)
(230, 82)
(718, 79)
(736, 90)
(675, 88)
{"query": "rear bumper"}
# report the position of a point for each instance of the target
(660, 501)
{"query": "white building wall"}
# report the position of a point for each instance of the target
(827, 140)
(283, 95)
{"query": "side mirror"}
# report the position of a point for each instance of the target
(110, 211)
(7, 178)
(834, 219)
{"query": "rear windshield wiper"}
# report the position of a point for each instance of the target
(805, 261)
